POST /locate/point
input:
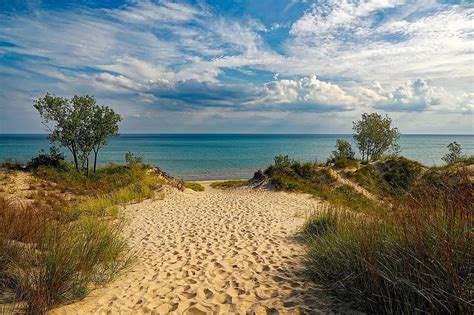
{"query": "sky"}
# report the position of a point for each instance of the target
(218, 66)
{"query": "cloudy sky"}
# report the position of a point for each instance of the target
(280, 66)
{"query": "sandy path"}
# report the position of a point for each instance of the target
(212, 252)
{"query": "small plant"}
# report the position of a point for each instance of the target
(455, 153)
(133, 159)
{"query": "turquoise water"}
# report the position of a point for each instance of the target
(206, 156)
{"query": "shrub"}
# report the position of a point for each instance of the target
(54, 159)
(418, 259)
(455, 153)
(132, 159)
(343, 151)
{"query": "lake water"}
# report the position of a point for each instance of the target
(222, 156)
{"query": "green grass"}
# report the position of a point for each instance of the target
(228, 184)
(194, 186)
(417, 259)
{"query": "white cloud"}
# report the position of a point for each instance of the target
(309, 91)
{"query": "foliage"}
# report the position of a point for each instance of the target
(54, 159)
(374, 135)
(343, 151)
(417, 259)
(133, 159)
(194, 186)
(455, 153)
(78, 124)
(228, 184)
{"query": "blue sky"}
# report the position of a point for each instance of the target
(294, 66)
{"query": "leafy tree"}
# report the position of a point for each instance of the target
(374, 135)
(78, 124)
(455, 153)
(343, 150)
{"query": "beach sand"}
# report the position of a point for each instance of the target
(212, 252)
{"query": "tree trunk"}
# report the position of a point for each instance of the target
(87, 165)
(74, 156)
(95, 159)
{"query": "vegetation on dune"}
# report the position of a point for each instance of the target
(413, 254)
(194, 186)
(417, 259)
(228, 184)
(58, 246)
(312, 177)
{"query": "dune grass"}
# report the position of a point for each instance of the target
(194, 186)
(228, 184)
(312, 178)
(417, 259)
(66, 239)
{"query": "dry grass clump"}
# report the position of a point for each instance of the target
(417, 259)
(228, 184)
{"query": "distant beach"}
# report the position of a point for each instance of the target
(224, 156)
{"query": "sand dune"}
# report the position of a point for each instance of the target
(212, 252)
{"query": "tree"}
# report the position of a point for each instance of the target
(455, 153)
(78, 124)
(374, 135)
(105, 124)
(343, 150)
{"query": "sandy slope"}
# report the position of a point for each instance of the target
(212, 252)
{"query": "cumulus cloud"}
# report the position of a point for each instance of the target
(308, 93)
(415, 96)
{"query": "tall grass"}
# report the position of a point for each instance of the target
(417, 259)
(55, 248)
